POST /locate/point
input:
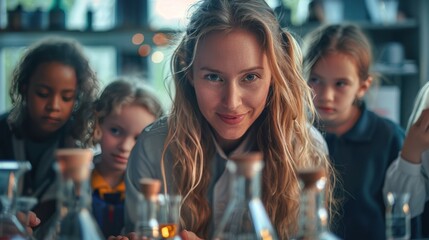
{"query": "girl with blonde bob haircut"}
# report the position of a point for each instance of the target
(196, 140)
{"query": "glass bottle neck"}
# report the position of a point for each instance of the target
(246, 189)
(245, 216)
(57, 4)
(147, 225)
(148, 211)
(313, 216)
(75, 195)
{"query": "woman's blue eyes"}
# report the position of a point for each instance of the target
(216, 77)
(212, 77)
(250, 77)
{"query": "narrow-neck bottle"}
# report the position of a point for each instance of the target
(313, 216)
(74, 220)
(245, 216)
(147, 226)
(57, 16)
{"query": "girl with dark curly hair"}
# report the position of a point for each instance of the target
(53, 89)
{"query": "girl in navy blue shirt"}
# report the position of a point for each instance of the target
(361, 143)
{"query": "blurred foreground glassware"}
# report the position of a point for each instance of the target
(313, 216)
(245, 216)
(10, 173)
(147, 226)
(74, 221)
(398, 218)
(169, 216)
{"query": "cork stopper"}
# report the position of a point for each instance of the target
(310, 176)
(248, 164)
(150, 187)
(74, 163)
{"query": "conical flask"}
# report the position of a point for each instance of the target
(313, 216)
(74, 221)
(147, 226)
(245, 217)
(10, 173)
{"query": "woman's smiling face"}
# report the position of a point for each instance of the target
(231, 77)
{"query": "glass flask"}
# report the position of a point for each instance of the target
(245, 217)
(147, 226)
(398, 216)
(74, 220)
(169, 216)
(313, 216)
(10, 173)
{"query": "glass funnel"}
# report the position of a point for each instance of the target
(74, 221)
(313, 216)
(10, 173)
(245, 217)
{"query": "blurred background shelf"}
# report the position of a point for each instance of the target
(118, 38)
(125, 40)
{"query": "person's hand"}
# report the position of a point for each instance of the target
(417, 139)
(29, 221)
(130, 236)
(187, 235)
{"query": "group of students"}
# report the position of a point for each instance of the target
(241, 85)
(55, 105)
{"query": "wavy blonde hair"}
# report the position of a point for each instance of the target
(283, 135)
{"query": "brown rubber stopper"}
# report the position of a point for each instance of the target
(74, 163)
(150, 187)
(248, 164)
(310, 176)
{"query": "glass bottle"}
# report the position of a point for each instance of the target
(169, 216)
(147, 226)
(398, 218)
(313, 216)
(57, 16)
(17, 18)
(10, 173)
(74, 220)
(245, 216)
